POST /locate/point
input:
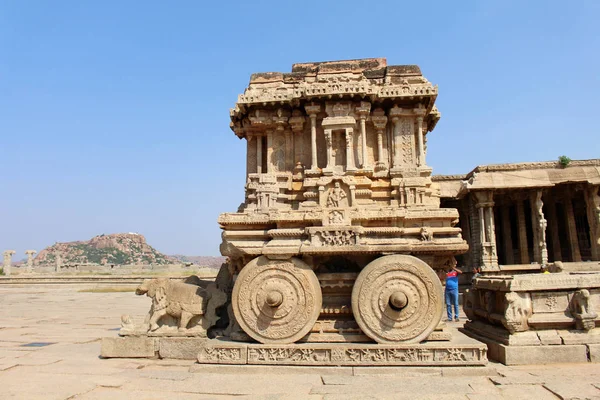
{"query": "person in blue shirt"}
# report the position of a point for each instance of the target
(452, 290)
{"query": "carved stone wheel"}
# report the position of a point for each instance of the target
(276, 301)
(397, 298)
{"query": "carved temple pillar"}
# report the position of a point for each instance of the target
(363, 113)
(572, 229)
(397, 154)
(270, 166)
(487, 235)
(507, 231)
(297, 126)
(312, 110)
(395, 114)
(420, 112)
(522, 232)
(350, 150)
(379, 122)
(249, 155)
(593, 215)
(281, 123)
(259, 156)
(553, 224)
(539, 224)
(329, 149)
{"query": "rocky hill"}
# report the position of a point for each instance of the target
(118, 249)
(203, 261)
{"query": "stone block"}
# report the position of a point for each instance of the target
(594, 352)
(572, 390)
(521, 355)
(128, 347)
(180, 348)
(221, 352)
(549, 337)
(580, 337)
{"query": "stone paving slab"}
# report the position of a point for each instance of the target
(72, 369)
(569, 389)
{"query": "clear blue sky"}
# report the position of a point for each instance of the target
(114, 114)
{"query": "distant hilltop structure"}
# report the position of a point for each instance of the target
(118, 249)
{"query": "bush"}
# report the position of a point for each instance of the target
(564, 161)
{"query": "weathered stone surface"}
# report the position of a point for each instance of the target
(567, 390)
(549, 337)
(129, 347)
(340, 354)
(179, 348)
(594, 352)
(7, 262)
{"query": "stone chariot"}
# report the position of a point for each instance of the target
(341, 237)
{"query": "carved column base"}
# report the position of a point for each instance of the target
(380, 166)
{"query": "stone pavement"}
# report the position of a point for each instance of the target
(50, 341)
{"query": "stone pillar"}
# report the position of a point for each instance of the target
(593, 214)
(297, 126)
(312, 110)
(487, 235)
(379, 122)
(30, 254)
(249, 152)
(421, 154)
(506, 229)
(328, 145)
(522, 231)
(397, 155)
(572, 229)
(539, 224)
(58, 261)
(259, 157)
(420, 112)
(350, 150)
(553, 221)
(7, 265)
(363, 113)
(270, 166)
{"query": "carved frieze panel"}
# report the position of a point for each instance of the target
(549, 302)
(338, 354)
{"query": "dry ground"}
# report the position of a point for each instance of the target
(49, 346)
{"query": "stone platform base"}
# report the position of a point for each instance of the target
(539, 354)
(460, 351)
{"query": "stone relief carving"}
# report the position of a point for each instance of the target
(336, 196)
(517, 311)
(338, 238)
(582, 310)
(336, 217)
(426, 234)
(178, 308)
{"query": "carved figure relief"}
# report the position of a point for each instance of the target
(517, 311)
(581, 308)
(278, 156)
(336, 196)
(337, 238)
(426, 234)
(336, 217)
